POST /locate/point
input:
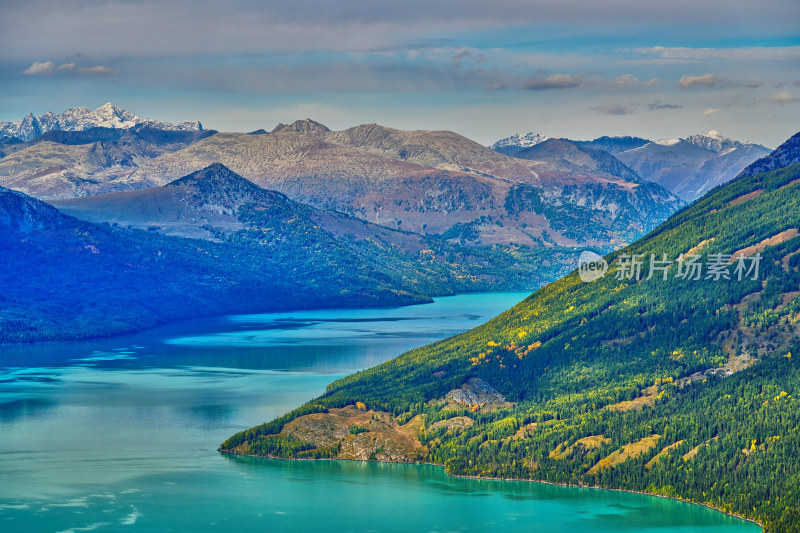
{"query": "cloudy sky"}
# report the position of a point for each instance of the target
(486, 69)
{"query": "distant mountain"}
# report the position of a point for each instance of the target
(9, 140)
(516, 143)
(686, 167)
(431, 182)
(714, 141)
(23, 214)
(208, 204)
(200, 205)
(507, 213)
(786, 154)
(614, 145)
(82, 118)
(60, 164)
(574, 202)
(219, 205)
(306, 126)
(561, 154)
(141, 133)
(691, 168)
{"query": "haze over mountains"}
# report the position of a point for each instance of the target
(686, 167)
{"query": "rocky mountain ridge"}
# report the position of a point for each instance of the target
(82, 118)
(687, 167)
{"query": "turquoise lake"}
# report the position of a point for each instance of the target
(121, 434)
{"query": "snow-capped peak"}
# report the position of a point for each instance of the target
(714, 141)
(516, 143)
(81, 118)
(668, 142)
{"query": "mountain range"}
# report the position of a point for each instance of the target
(426, 182)
(686, 167)
(658, 378)
(82, 118)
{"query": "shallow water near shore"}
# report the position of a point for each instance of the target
(121, 434)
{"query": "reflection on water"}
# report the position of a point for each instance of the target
(114, 433)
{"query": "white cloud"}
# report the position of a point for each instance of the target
(48, 68)
(629, 80)
(553, 81)
(710, 111)
(705, 80)
(755, 53)
(783, 98)
(658, 104)
(612, 109)
(99, 69)
(462, 55)
(497, 86)
(44, 68)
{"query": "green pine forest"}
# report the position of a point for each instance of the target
(679, 387)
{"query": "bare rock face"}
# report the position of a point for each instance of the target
(457, 423)
(379, 436)
(476, 392)
(307, 127)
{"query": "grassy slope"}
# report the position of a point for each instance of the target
(572, 348)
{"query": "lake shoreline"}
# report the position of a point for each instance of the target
(568, 485)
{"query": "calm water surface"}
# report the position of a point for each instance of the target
(120, 435)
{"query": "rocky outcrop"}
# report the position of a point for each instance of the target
(476, 392)
(377, 437)
(457, 423)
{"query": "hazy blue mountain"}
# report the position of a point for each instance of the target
(615, 144)
(690, 169)
(64, 278)
(577, 157)
(686, 167)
